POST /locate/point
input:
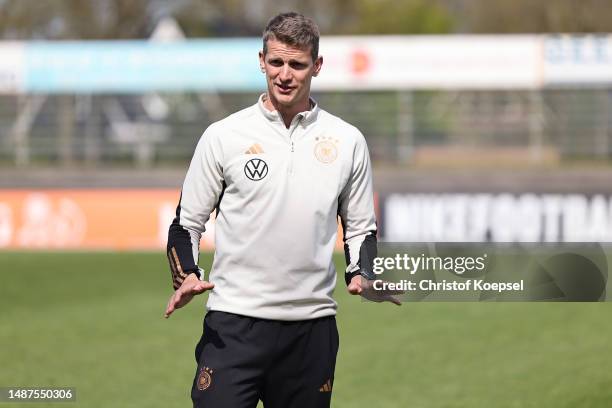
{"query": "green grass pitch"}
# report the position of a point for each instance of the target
(94, 322)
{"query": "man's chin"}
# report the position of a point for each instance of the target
(285, 100)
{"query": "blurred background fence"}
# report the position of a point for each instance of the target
(521, 127)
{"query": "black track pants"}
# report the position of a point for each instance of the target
(285, 364)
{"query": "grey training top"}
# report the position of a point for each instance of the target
(278, 194)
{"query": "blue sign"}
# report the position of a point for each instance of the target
(143, 66)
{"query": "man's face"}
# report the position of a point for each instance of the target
(289, 71)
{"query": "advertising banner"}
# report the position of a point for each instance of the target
(578, 59)
(350, 63)
(430, 62)
(497, 218)
(88, 219)
(143, 66)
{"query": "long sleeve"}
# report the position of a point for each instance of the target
(201, 193)
(356, 210)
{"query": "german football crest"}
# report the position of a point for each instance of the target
(325, 150)
(204, 378)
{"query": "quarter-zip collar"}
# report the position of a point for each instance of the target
(306, 117)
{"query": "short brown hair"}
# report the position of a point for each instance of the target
(293, 29)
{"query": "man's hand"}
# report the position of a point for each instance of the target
(361, 286)
(191, 286)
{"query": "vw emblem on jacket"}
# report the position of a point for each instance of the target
(256, 169)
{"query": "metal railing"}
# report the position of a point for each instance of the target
(517, 127)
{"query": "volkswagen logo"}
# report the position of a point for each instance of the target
(256, 169)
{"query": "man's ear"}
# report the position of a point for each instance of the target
(317, 65)
(262, 63)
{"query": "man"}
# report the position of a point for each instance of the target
(278, 174)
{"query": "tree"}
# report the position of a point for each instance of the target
(528, 16)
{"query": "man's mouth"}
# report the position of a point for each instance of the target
(284, 88)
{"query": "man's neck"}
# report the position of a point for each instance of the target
(287, 113)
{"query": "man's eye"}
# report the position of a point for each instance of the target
(276, 63)
(297, 65)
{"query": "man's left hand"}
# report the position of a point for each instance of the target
(361, 286)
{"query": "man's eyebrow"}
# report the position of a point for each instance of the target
(277, 57)
(289, 61)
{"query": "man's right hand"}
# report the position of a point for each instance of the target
(191, 286)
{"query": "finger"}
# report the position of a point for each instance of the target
(356, 285)
(186, 298)
(354, 289)
(176, 299)
(394, 300)
(203, 286)
(197, 289)
(170, 307)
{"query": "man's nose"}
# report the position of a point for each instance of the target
(285, 73)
